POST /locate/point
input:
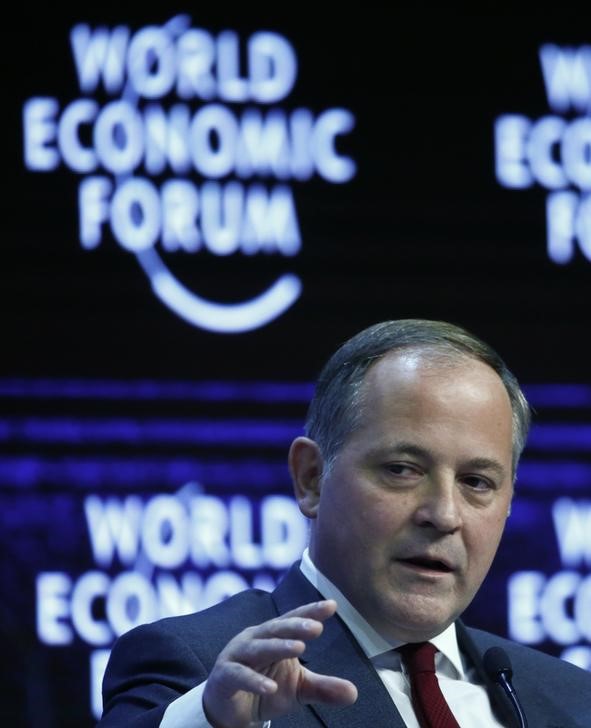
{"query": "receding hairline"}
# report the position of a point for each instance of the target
(334, 409)
(431, 360)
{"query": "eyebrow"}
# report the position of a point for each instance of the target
(409, 448)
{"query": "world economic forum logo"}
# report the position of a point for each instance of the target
(182, 146)
(554, 151)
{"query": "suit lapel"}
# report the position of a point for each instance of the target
(337, 653)
(500, 703)
(532, 679)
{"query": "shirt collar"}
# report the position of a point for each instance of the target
(370, 641)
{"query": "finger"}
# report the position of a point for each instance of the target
(316, 688)
(301, 628)
(297, 622)
(321, 610)
(259, 653)
(229, 677)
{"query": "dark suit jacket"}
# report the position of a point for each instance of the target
(154, 664)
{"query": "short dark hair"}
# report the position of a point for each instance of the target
(336, 411)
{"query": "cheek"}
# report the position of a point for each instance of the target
(380, 519)
(484, 539)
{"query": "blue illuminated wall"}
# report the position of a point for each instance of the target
(112, 517)
(539, 588)
(197, 211)
(145, 499)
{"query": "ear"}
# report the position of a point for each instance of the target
(305, 466)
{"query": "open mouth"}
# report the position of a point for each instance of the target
(431, 564)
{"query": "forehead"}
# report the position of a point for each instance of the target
(415, 380)
(399, 367)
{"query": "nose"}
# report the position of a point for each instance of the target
(439, 505)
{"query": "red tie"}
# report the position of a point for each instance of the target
(430, 707)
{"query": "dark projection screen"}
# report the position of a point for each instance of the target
(201, 206)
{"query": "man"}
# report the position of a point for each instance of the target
(406, 475)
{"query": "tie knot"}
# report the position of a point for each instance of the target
(419, 657)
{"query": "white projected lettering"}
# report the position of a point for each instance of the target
(204, 531)
(567, 77)
(131, 599)
(89, 588)
(557, 607)
(53, 589)
(554, 151)
(572, 525)
(222, 219)
(113, 527)
(549, 151)
(160, 557)
(568, 216)
(193, 63)
(214, 141)
(40, 134)
(97, 607)
(123, 143)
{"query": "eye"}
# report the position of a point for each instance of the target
(478, 483)
(404, 470)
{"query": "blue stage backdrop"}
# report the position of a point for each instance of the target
(199, 209)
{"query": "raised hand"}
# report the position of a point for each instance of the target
(258, 676)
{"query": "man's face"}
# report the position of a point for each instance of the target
(409, 518)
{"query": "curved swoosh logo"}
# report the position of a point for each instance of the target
(219, 317)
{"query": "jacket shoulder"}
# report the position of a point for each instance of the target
(155, 663)
(552, 691)
(207, 632)
(526, 656)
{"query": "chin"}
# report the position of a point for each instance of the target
(417, 622)
(418, 631)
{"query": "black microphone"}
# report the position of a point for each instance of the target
(498, 667)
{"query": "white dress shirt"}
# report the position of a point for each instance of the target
(466, 697)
